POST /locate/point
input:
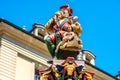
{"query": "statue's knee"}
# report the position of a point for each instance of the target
(47, 40)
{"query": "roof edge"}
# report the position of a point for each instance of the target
(19, 28)
(100, 70)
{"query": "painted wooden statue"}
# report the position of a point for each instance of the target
(64, 32)
(68, 70)
(64, 42)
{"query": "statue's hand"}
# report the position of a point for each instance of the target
(56, 50)
(55, 17)
(62, 47)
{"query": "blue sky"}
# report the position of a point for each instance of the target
(100, 20)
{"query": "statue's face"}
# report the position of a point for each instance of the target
(68, 28)
(59, 14)
(65, 13)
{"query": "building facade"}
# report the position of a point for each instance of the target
(23, 53)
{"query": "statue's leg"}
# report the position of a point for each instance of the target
(58, 39)
(50, 46)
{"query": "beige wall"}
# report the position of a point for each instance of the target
(17, 61)
(7, 63)
(24, 69)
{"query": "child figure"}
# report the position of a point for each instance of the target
(62, 44)
(69, 35)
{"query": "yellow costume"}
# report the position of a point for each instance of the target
(49, 25)
(77, 28)
(70, 68)
(86, 75)
(45, 75)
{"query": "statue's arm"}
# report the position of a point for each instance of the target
(72, 35)
(58, 46)
(49, 25)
